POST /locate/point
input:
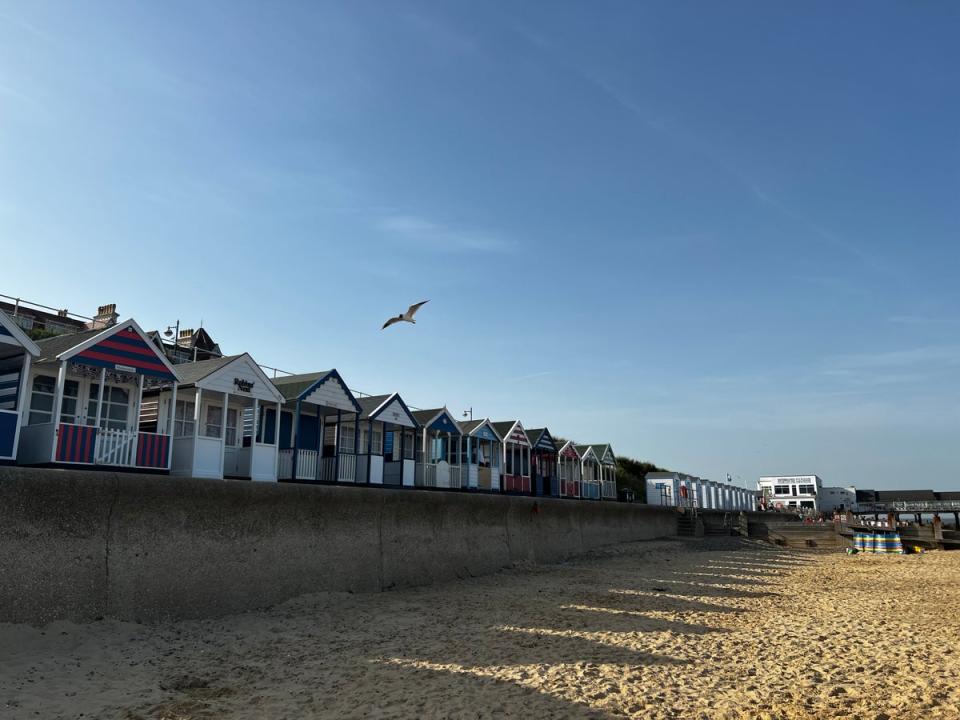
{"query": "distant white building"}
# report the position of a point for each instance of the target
(800, 492)
(832, 499)
(680, 490)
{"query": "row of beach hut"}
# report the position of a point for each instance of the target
(109, 397)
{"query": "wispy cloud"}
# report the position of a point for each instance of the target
(438, 236)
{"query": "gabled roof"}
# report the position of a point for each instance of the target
(541, 437)
(441, 416)
(568, 446)
(601, 450)
(124, 346)
(8, 328)
(373, 406)
(302, 386)
(585, 450)
(470, 427)
(192, 374)
(506, 428)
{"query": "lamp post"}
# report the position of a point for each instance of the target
(175, 331)
(468, 412)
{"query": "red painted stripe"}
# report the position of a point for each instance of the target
(154, 451)
(140, 439)
(119, 360)
(139, 349)
(60, 443)
(68, 442)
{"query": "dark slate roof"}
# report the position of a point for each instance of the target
(425, 416)
(948, 495)
(886, 496)
(290, 386)
(535, 434)
(59, 344)
(503, 427)
(866, 496)
(601, 448)
(468, 426)
(191, 373)
(371, 403)
(581, 449)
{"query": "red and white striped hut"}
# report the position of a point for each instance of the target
(516, 456)
(568, 470)
(85, 392)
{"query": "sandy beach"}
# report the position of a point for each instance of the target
(666, 629)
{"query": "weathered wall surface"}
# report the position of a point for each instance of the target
(79, 545)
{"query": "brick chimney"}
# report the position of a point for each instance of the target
(186, 338)
(106, 317)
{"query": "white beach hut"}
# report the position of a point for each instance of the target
(568, 470)
(218, 415)
(516, 456)
(439, 449)
(390, 462)
(589, 473)
(482, 453)
(17, 351)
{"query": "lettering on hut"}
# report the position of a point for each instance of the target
(243, 385)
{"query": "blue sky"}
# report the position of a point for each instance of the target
(722, 237)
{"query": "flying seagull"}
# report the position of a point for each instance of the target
(405, 317)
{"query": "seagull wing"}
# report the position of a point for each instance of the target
(390, 322)
(412, 310)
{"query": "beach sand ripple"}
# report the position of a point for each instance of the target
(705, 629)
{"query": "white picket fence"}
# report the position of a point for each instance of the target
(116, 447)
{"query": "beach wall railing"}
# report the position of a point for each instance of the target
(79, 545)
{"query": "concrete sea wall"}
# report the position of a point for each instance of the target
(80, 545)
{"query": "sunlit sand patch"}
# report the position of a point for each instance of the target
(727, 580)
(596, 685)
(733, 603)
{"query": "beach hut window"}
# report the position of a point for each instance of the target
(41, 400)
(781, 489)
(347, 440)
(524, 463)
(408, 445)
(183, 419)
(213, 421)
(377, 443)
(231, 427)
(116, 406)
